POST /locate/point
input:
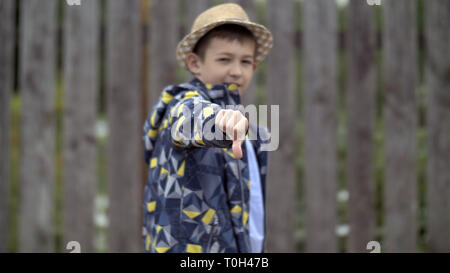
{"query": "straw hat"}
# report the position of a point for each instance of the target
(219, 15)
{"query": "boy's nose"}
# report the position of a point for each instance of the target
(236, 70)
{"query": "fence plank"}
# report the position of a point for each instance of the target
(249, 97)
(81, 42)
(399, 73)
(163, 42)
(438, 174)
(124, 143)
(194, 8)
(361, 116)
(281, 91)
(37, 82)
(7, 13)
(320, 22)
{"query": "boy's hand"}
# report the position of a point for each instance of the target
(235, 125)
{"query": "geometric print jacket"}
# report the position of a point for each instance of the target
(196, 196)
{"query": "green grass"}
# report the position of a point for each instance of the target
(14, 198)
(59, 164)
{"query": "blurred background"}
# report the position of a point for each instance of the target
(364, 94)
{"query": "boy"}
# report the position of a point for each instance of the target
(203, 193)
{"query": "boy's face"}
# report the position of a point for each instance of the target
(225, 62)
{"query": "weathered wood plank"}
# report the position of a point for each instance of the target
(281, 91)
(438, 79)
(399, 79)
(124, 143)
(249, 97)
(320, 25)
(194, 8)
(7, 14)
(37, 83)
(361, 116)
(163, 42)
(81, 40)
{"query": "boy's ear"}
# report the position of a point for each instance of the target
(193, 63)
(255, 65)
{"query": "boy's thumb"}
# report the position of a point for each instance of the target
(237, 151)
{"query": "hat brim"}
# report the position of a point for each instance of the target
(263, 37)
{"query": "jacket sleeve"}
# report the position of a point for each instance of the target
(155, 119)
(192, 123)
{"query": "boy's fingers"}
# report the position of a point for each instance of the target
(232, 123)
(235, 126)
(219, 117)
(224, 120)
(237, 151)
(239, 137)
(239, 129)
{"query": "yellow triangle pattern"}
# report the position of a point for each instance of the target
(153, 118)
(166, 97)
(208, 216)
(191, 248)
(153, 162)
(236, 209)
(232, 87)
(162, 249)
(152, 133)
(180, 171)
(191, 94)
(148, 242)
(151, 206)
(198, 139)
(207, 111)
(245, 218)
(191, 214)
(179, 110)
(180, 122)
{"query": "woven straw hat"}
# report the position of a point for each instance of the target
(219, 15)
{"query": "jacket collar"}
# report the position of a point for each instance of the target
(220, 94)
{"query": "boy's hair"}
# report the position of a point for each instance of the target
(230, 32)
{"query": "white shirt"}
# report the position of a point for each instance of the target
(256, 214)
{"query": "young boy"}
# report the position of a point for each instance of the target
(203, 193)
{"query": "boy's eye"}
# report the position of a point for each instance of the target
(247, 62)
(224, 60)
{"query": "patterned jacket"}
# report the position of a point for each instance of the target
(197, 192)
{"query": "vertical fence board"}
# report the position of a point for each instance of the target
(194, 8)
(249, 97)
(190, 10)
(438, 76)
(361, 116)
(124, 151)
(6, 73)
(399, 79)
(37, 84)
(280, 85)
(144, 18)
(163, 43)
(248, 6)
(320, 22)
(81, 42)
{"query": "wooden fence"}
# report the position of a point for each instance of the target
(350, 120)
